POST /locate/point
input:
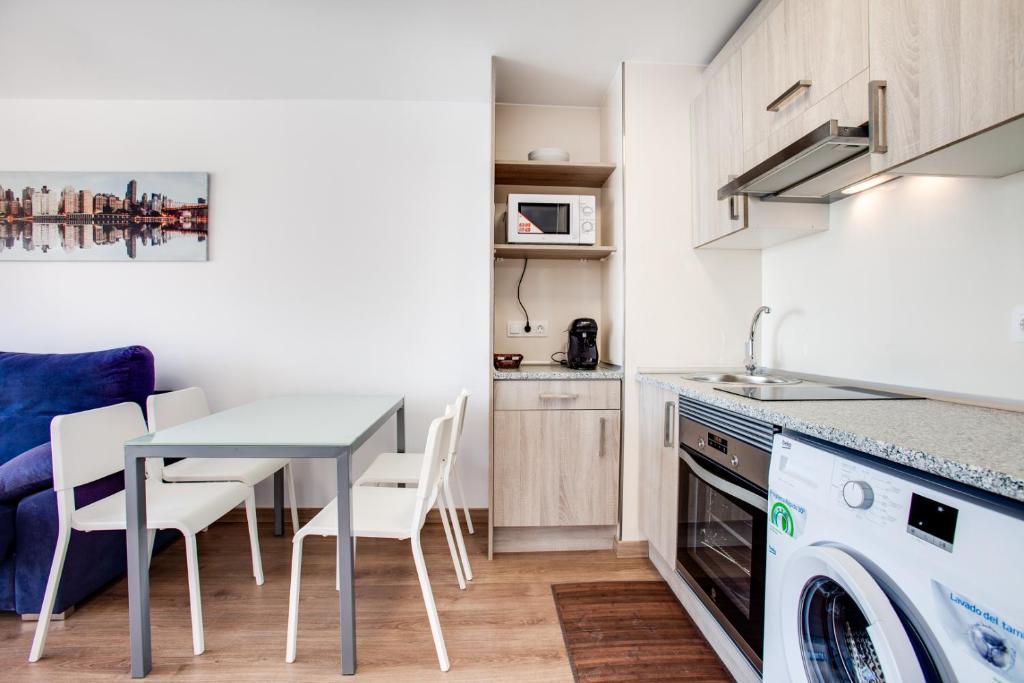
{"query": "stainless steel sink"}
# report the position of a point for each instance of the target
(730, 378)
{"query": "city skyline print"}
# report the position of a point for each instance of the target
(103, 216)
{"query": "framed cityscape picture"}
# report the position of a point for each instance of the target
(103, 216)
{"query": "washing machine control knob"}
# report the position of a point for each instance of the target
(858, 494)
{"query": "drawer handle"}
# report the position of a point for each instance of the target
(878, 134)
(559, 397)
(600, 450)
(786, 97)
(734, 212)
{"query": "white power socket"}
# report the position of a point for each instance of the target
(538, 328)
(1017, 324)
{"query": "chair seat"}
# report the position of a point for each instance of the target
(393, 468)
(376, 513)
(249, 471)
(186, 507)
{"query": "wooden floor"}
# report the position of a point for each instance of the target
(502, 628)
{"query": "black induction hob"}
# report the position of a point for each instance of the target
(808, 392)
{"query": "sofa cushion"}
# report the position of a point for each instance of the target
(26, 473)
(36, 387)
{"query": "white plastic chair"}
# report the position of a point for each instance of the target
(384, 512)
(404, 468)
(176, 407)
(90, 445)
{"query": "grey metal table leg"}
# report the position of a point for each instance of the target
(400, 426)
(346, 565)
(279, 502)
(138, 564)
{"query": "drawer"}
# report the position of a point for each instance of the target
(599, 394)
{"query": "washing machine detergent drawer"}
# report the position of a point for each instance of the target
(876, 574)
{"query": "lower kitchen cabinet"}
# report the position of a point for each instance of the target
(556, 467)
(659, 468)
(556, 463)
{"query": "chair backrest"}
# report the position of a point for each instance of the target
(90, 445)
(168, 410)
(458, 420)
(176, 407)
(438, 437)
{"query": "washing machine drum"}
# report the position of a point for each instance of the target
(845, 629)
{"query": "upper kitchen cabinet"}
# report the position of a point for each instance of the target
(717, 153)
(800, 54)
(952, 68)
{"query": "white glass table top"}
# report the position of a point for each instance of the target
(307, 420)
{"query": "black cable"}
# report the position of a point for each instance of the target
(519, 299)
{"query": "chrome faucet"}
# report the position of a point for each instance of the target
(750, 362)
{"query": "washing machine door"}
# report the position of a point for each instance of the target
(843, 627)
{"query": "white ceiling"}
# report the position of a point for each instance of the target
(553, 52)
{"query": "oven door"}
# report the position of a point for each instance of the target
(721, 546)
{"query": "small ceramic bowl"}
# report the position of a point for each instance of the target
(548, 154)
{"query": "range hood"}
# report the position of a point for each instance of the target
(815, 168)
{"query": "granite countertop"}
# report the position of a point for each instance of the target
(556, 371)
(981, 447)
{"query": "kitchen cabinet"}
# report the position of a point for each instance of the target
(820, 43)
(556, 454)
(659, 468)
(952, 68)
(716, 116)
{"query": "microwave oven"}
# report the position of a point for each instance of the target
(552, 219)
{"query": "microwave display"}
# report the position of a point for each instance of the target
(547, 218)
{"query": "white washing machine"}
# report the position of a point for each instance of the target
(878, 573)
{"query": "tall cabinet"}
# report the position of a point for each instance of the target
(556, 434)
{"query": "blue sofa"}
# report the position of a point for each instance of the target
(33, 389)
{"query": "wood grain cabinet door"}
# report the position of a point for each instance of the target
(556, 467)
(659, 468)
(952, 69)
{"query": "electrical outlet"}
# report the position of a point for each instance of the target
(1017, 325)
(538, 328)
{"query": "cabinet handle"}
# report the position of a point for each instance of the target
(790, 93)
(667, 438)
(734, 211)
(600, 450)
(559, 397)
(878, 132)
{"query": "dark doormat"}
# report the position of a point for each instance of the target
(632, 631)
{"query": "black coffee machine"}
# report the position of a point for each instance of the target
(582, 353)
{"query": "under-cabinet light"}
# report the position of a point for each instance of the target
(867, 184)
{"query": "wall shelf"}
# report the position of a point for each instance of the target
(551, 173)
(552, 251)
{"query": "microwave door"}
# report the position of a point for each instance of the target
(544, 218)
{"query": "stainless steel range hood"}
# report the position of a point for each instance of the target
(815, 168)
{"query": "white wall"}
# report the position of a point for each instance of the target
(347, 251)
(684, 307)
(913, 284)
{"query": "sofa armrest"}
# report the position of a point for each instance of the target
(26, 474)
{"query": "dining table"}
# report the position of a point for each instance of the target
(315, 426)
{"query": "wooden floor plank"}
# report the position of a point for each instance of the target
(502, 628)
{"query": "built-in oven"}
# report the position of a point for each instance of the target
(723, 504)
